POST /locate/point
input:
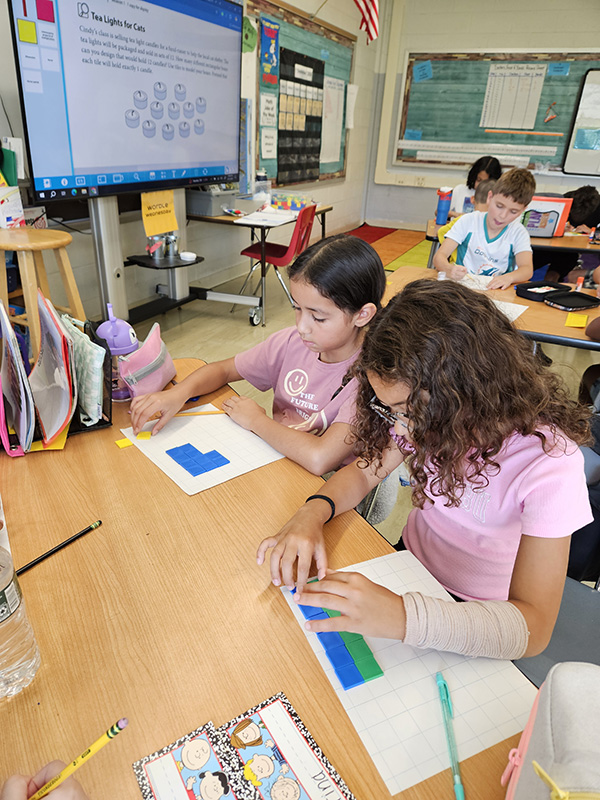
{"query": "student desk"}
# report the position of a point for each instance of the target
(227, 219)
(260, 312)
(540, 322)
(162, 615)
(580, 243)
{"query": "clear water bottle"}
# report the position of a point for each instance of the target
(19, 654)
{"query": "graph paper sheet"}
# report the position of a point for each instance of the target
(244, 450)
(480, 283)
(399, 716)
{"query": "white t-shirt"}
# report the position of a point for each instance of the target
(462, 199)
(482, 255)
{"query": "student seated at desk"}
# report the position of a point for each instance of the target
(337, 285)
(489, 437)
(484, 169)
(19, 787)
(583, 216)
(494, 243)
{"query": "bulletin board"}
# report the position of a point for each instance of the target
(518, 107)
(303, 73)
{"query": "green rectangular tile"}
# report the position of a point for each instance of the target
(350, 637)
(358, 649)
(331, 613)
(369, 668)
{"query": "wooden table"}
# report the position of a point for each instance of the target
(163, 616)
(227, 219)
(540, 321)
(580, 243)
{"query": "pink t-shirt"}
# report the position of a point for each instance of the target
(471, 549)
(308, 393)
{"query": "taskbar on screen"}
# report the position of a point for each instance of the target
(106, 190)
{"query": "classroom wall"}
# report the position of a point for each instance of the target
(220, 246)
(454, 26)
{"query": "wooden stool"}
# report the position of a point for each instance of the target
(29, 244)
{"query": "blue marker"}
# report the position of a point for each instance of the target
(448, 713)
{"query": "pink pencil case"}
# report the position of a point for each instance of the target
(150, 367)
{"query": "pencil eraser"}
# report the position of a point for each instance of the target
(122, 723)
(123, 443)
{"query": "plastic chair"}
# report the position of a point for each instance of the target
(280, 255)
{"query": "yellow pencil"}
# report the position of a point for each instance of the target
(197, 413)
(80, 760)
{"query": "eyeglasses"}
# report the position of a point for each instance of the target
(386, 413)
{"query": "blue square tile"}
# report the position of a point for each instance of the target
(339, 656)
(349, 676)
(312, 612)
(330, 639)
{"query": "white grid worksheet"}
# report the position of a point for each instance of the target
(399, 716)
(244, 450)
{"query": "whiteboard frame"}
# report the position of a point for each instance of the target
(571, 152)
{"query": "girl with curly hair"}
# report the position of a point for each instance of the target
(489, 435)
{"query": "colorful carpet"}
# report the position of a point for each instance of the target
(417, 256)
(395, 247)
(371, 233)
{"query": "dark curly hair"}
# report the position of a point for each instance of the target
(473, 381)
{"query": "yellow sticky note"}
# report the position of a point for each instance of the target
(123, 443)
(27, 31)
(158, 212)
(576, 320)
(144, 435)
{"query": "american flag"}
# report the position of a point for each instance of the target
(370, 17)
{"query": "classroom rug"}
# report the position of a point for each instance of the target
(417, 256)
(370, 233)
(396, 244)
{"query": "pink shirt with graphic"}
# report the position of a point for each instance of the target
(471, 549)
(307, 393)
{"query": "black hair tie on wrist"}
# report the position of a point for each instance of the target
(327, 500)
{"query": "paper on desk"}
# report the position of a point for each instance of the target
(511, 310)
(244, 450)
(398, 716)
(269, 218)
(480, 283)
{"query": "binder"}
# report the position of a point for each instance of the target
(10, 441)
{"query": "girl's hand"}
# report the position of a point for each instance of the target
(18, 787)
(300, 539)
(165, 404)
(365, 607)
(456, 272)
(244, 411)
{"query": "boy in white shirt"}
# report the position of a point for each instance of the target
(493, 243)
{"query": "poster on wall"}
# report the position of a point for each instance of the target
(269, 52)
(300, 112)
